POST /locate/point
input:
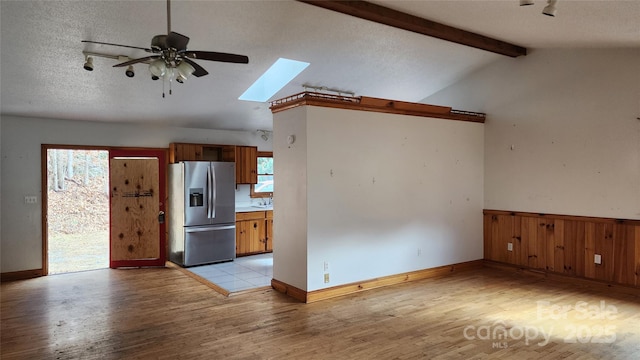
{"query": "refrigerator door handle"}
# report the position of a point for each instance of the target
(203, 229)
(213, 191)
(209, 187)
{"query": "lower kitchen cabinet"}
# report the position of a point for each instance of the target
(269, 229)
(253, 232)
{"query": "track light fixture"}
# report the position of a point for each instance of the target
(130, 73)
(265, 134)
(89, 55)
(550, 9)
(88, 64)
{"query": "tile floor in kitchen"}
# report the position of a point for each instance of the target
(244, 273)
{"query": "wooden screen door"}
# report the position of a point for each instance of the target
(137, 204)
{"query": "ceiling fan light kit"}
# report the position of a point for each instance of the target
(158, 68)
(170, 59)
(184, 71)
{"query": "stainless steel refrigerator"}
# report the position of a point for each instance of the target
(202, 227)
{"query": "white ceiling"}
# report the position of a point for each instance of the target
(41, 52)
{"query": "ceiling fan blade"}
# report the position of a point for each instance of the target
(216, 56)
(127, 46)
(177, 41)
(199, 70)
(135, 61)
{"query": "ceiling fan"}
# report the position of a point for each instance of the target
(170, 57)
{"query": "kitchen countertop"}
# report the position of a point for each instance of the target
(254, 208)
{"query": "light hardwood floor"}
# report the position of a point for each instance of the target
(165, 314)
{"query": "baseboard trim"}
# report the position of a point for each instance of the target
(562, 278)
(20, 275)
(341, 290)
(290, 290)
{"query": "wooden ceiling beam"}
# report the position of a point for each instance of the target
(384, 15)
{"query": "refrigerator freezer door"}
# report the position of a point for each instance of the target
(209, 244)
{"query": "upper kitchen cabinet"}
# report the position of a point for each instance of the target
(245, 157)
(246, 164)
(200, 152)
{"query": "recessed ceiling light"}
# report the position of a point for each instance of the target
(274, 79)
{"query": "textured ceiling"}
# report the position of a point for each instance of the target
(41, 52)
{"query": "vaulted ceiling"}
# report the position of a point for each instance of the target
(42, 74)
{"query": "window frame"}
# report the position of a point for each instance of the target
(252, 193)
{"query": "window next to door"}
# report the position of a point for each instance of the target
(264, 187)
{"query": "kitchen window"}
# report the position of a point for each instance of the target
(264, 187)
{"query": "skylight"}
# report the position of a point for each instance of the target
(274, 79)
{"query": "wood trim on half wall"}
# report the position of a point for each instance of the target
(341, 290)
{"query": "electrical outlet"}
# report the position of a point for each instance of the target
(30, 199)
(509, 246)
(326, 266)
(597, 259)
(326, 278)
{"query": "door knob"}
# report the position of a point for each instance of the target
(161, 217)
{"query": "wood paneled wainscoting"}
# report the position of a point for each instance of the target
(567, 245)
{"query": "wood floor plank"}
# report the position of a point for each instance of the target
(165, 314)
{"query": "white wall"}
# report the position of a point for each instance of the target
(385, 193)
(290, 198)
(21, 240)
(0, 188)
(571, 118)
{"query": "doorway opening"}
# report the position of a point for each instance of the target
(77, 209)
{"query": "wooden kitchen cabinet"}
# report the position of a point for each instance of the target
(200, 152)
(246, 158)
(251, 233)
(269, 228)
(249, 237)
